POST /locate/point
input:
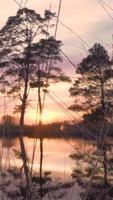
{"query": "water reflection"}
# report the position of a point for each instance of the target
(7, 143)
(56, 153)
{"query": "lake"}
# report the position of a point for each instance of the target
(56, 154)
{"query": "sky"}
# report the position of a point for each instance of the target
(88, 20)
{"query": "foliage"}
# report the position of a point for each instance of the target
(8, 120)
(89, 171)
(27, 50)
(92, 89)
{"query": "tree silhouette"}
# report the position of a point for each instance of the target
(8, 119)
(88, 166)
(17, 62)
(48, 73)
(28, 60)
(94, 84)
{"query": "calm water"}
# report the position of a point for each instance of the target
(56, 154)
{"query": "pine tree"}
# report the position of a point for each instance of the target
(93, 85)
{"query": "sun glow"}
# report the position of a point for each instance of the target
(48, 116)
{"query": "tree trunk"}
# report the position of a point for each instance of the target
(41, 157)
(103, 137)
(105, 166)
(102, 92)
(41, 167)
(40, 137)
(22, 145)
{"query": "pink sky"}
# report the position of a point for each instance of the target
(87, 18)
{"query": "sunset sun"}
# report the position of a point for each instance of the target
(47, 117)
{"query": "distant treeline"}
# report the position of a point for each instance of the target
(53, 130)
(13, 130)
(84, 130)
